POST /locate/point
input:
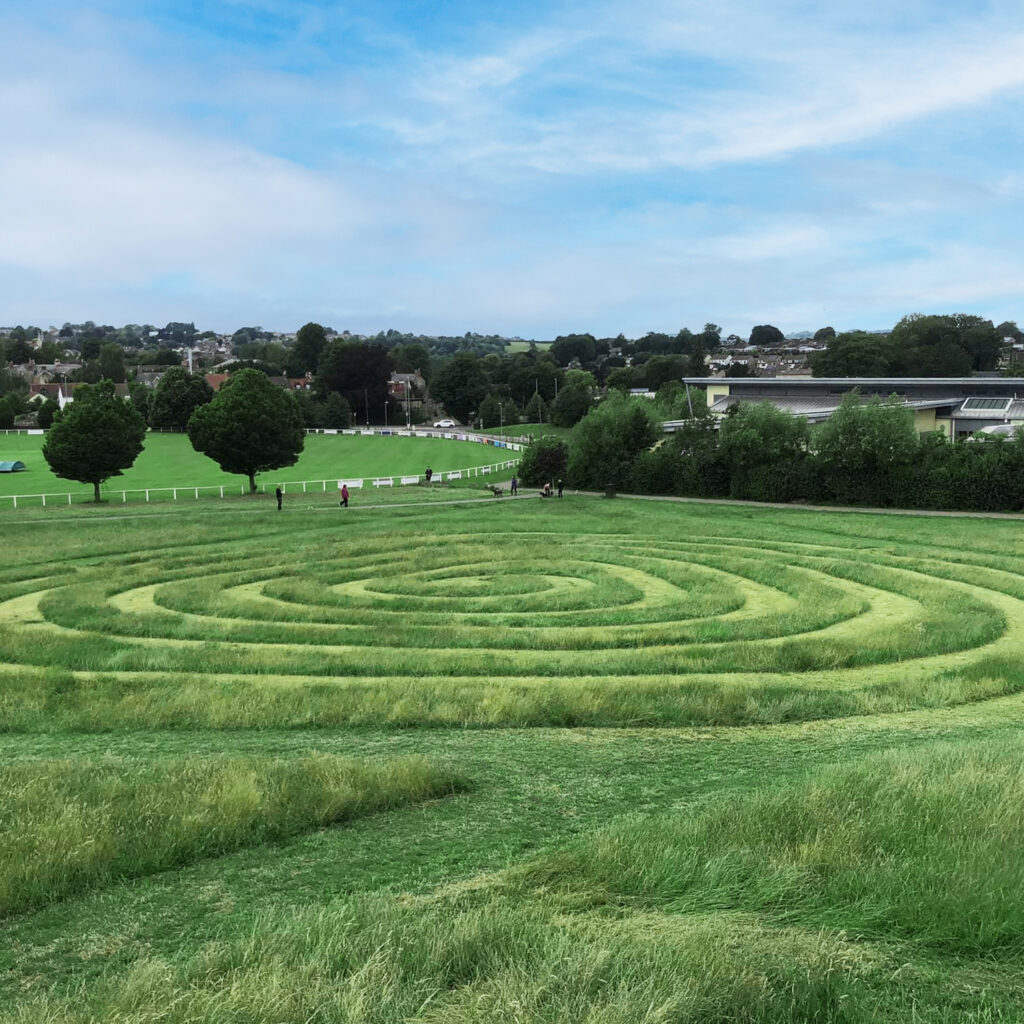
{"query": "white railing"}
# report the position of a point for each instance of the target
(455, 434)
(227, 490)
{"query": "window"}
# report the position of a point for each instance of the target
(993, 404)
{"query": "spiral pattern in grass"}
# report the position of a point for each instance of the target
(523, 628)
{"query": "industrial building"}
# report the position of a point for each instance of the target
(955, 406)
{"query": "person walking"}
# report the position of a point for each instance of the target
(428, 474)
(278, 493)
(344, 495)
(514, 488)
(559, 488)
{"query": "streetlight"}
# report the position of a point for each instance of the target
(501, 417)
(385, 414)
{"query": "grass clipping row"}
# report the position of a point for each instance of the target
(71, 825)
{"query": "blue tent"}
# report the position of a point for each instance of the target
(12, 467)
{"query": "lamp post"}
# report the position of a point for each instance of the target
(366, 406)
(501, 417)
(385, 414)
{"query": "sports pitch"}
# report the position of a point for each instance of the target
(587, 760)
(168, 460)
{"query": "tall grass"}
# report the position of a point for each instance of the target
(375, 962)
(71, 825)
(822, 902)
(920, 844)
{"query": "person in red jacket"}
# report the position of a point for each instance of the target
(344, 495)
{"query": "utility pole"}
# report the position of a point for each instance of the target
(366, 406)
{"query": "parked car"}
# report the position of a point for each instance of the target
(445, 423)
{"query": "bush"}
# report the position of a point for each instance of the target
(763, 446)
(607, 443)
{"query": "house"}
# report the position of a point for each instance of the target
(404, 386)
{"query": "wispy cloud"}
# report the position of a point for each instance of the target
(530, 170)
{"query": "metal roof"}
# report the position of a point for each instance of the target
(854, 382)
(12, 467)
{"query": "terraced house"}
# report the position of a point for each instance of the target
(955, 406)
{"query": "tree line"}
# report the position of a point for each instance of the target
(866, 454)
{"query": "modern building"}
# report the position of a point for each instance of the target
(955, 406)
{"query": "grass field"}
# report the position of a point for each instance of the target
(168, 460)
(588, 760)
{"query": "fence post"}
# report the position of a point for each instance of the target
(44, 501)
(174, 491)
(15, 497)
(124, 497)
(147, 494)
(69, 498)
(222, 492)
(197, 494)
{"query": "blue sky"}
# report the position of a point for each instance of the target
(531, 169)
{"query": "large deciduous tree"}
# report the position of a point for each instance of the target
(250, 426)
(359, 373)
(96, 437)
(177, 395)
(310, 342)
(855, 354)
(764, 335)
(461, 385)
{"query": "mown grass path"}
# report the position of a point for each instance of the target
(758, 648)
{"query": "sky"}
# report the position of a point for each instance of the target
(529, 169)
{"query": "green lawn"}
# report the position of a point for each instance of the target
(168, 460)
(641, 761)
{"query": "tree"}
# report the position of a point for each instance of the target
(250, 426)
(861, 449)
(698, 363)
(337, 413)
(623, 379)
(359, 373)
(461, 386)
(574, 400)
(1009, 329)
(824, 333)
(536, 410)
(111, 362)
(855, 354)
(565, 348)
(177, 395)
(310, 342)
(711, 337)
(47, 412)
(760, 442)
(606, 444)
(140, 395)
(6, 414)
(410, 358)
(491, 412)
(19, 351)
(944, 346)
(94, 438)
(545, 459)
(765, 335)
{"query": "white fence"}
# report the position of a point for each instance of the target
(455, 434)
(150, 494)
